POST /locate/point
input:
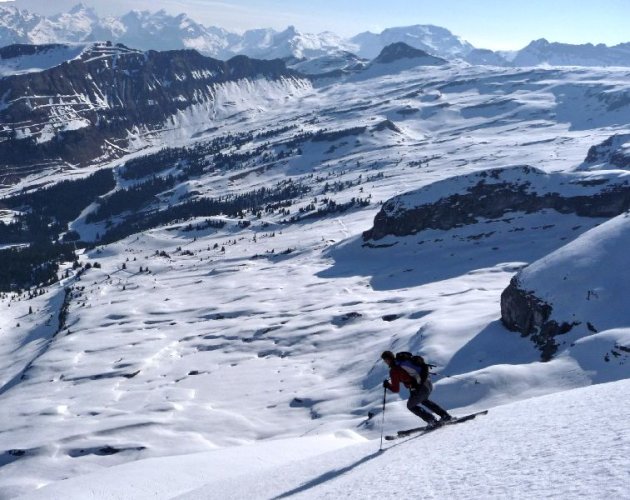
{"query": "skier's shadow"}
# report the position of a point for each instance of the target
(327, 476)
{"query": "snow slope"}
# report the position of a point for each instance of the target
(567, 445)
(44, 58)
(586, 281)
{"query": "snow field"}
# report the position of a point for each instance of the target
(566, 445)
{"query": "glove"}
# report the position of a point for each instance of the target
(386, 384)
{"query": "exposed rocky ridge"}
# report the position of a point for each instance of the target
(84, 108)
(493, 193)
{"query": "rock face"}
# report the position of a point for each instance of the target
(580, 288)
(85, 108)
(493, 193)
(522, 311)
(613, 153)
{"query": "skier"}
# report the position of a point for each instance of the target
(415, 378)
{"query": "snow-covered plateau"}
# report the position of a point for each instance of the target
(219, 334)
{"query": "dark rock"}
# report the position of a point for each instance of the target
(610, 154)
(387, 125)
(340, 320)
(390, 317)
(523, 312)
(492, 200)
(400, 50)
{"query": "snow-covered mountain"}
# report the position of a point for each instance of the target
(486, 57)
(432, 39)
(73, 26)
(109, 97)
(225, 283)
(161, 31)
(563, 54)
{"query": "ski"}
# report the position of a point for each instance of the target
(425, 429)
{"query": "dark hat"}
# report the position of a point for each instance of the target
(388, 355)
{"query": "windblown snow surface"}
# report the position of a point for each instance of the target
(548, 447)
(245, 361)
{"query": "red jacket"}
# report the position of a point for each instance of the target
(398, 375)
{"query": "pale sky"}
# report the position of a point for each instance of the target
(494, 24)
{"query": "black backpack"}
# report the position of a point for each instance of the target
(414, 365)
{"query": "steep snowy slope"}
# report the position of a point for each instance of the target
(578, 290)
(546, 446)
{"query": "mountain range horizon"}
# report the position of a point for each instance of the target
(159, 30)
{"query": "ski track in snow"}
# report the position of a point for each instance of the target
(217, 349)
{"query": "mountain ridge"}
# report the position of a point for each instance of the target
(162, 31)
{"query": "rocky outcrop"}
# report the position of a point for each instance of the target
(493, 193)
(579, 288)
(400, 50)
(85, 108)
(613, 153)
(522, 311)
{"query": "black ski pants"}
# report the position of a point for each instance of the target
(420, 396)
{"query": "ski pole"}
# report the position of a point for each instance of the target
(383, 419)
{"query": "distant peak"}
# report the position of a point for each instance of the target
(397, 51)
(79, 8)
(291, 30)
(541, 42)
